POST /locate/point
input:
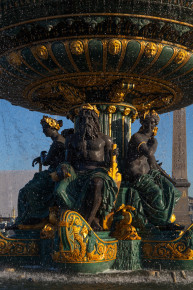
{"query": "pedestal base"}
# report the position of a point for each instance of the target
(128, 255)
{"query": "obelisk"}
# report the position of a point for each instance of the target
(179, 166)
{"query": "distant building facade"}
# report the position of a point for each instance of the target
(11, 182)
(190, 200)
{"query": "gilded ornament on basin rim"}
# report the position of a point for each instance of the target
(167, 251)
(77, 47)
(42, 52)
(14, 58)
(181, 55)
(88, 106)
(126, 112)
(118, 97)
(114, 46)
(13, 247)
(66, 91)
(111, 109)
(151, 50)
(167, 99)
(119, 90)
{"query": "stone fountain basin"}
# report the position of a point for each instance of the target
(55, 59)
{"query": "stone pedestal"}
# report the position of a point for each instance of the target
(128, 255)
(181, 210)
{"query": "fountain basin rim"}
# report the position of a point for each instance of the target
(183, 23)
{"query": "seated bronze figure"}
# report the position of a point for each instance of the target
(36, 196)
(150, 189)
(89, 189)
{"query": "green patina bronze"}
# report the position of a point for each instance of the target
(154, 198)
(35, 198)
(72, 192)
(128, 255)
(164, 253)
(81, 249)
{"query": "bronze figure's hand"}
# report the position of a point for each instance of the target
(43, 153)
(36, 161)
(62, 173)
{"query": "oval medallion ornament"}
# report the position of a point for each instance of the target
(114, 47)
(14, 58)
(42, 52)
(181, 55)
(77, 47)
(150, 49)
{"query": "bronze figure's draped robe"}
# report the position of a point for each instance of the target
(154, 198)
(73, 192)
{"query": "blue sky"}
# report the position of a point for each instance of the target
(22, 139)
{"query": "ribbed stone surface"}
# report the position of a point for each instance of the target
(128, 255)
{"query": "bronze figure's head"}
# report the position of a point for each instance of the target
(88, 121)
(50, 125)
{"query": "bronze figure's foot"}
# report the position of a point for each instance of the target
(96, 225)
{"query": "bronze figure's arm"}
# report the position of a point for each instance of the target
(148, 149)
(108, 150)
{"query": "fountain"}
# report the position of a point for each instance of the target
(113, 62)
